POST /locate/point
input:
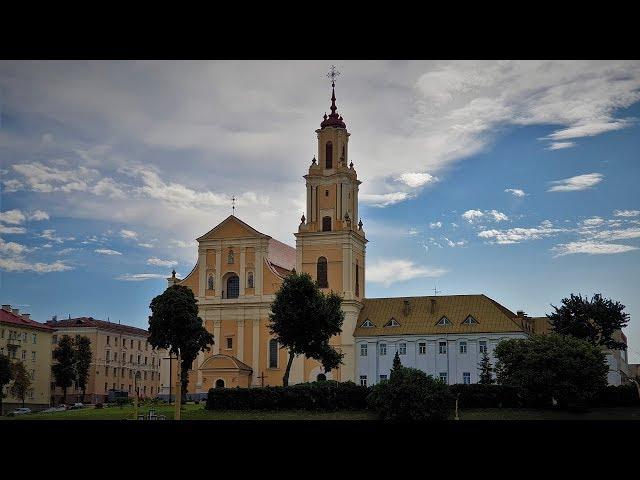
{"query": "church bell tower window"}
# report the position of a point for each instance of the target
(329, 155)
(321, 273)
(326, 224)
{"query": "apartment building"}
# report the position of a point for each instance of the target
(25, 340)
(120, 354)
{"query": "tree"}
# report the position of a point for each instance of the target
(82, 360)
(552, 366)
(409, 395)
(303, 319)
(396, 363)
(21, 382)
(594, 321)
(486, 370)
(64, 371)
(6, 375)
(174, 325)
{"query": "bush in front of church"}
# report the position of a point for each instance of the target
(477, 395)
(410, 395)
(313, 396)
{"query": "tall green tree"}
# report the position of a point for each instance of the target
(6, 375)
(568, 369)
(486, 370)
(397, 364)
(174, 325)
(303, 319)
(21, 382)
(64, 370)
(594, 320)
(82, 360)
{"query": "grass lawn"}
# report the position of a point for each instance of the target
(198, 412)
(191, 412)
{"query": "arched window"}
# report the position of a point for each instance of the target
(230, 257)
(220, 383)
(273, 353)
(211, 283)
(233, 286)
(321, 377)
(321, 273)
(250, 280)
(329, 155)
(326, 224)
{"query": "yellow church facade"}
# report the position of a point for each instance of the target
(239, 270)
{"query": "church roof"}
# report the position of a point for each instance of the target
(281, 255)
(224, 362)
(422, 315)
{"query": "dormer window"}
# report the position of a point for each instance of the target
(470, 321)
(367, 324)
(444, 321)
(392, 323)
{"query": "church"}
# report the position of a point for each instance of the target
(239, 269)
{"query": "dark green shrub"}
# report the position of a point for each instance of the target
(479, 395)
(410, 394)
(99, 405)
(617, 396)
(315, 396)
(121, 402)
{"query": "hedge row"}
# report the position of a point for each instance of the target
(477, 395)
(317, 396)
(620, 396)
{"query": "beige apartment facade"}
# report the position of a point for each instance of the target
(25, 340)
(119, 354)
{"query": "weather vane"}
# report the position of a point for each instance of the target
(233, 204)
(333, 73)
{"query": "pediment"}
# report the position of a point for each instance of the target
(231, 227)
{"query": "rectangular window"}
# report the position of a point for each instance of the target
(483, 346)
(442, 348)
(145, 360)
(34, 338)
(115, 356)
(402, 349)
(132, 343)
(383, 349)
(130, 358)
(363, 380)
(108, 338)
(363, 349)
(273, 353)
(33, 356)
(122, 386)
(54, 340)
(422, 348)
(443, 376)
(145, 375)
(116, 340)
(108, 355)
(130, 384)
(24, 336)
(466, 378)
(463, 347)
(32, 374)
(106, 373)
(138, 359)
(229, 343)
(139, 344)
(24, 354)
(383, 377)
(106, 387)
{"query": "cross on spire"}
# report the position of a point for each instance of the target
(333, 74)
(233, 205)
(436, 291)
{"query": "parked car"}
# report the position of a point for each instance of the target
(21, 411)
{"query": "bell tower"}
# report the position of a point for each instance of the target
(330, 242)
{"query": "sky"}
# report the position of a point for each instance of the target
(516, 179)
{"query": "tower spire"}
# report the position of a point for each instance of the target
(333, 120)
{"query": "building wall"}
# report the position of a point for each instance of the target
(34, 350)
(453, 362)
(115, 370)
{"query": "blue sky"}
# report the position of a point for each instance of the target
(514, 179)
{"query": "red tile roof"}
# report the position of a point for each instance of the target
(13, 319)
(281, 254)
(90, 322)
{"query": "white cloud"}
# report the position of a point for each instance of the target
(460, 243)
(128, 234)
(108, 187)
(560, 145)
(145, 245)
(593, 221)
(106, 251)
(383, 200)
(626, 213)
(38, 215)
(619, 234)
(589, 129)
(20, 265)
(473, 215)
(12, 248)
(579, 182)
(139, 277)
(65, 251)
(518, 234)
(12, 185)
(5, 229)
(161, 263)
(516, 192)
(42, 178)
(49, 234)
(412, 231)
(415, 180)
(182, 244)
(388, 271)
(591, 248)
(435, 225)
(13, 217)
